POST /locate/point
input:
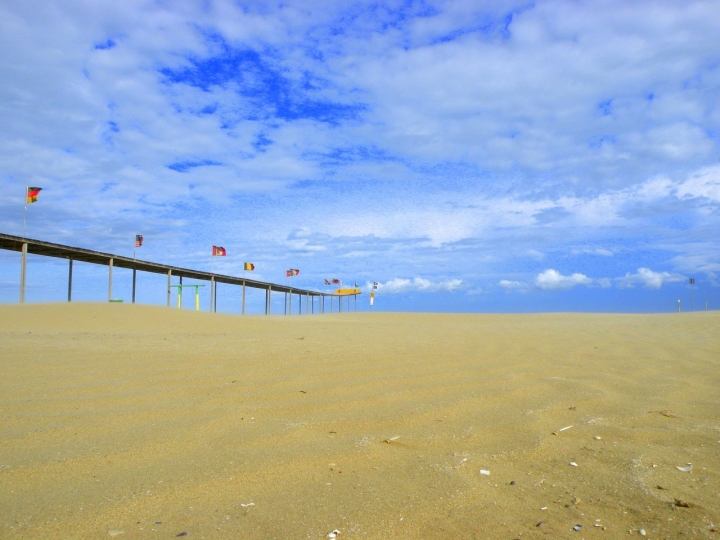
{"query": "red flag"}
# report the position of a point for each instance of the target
(336, 282)
(219, 251)
(292, 272)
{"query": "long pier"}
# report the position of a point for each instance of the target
(48, 249)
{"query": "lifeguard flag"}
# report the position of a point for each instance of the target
(32, 194)
(249, 266)
(336, 282)
(292, 272)
(138, 240)
(327, 282)
(219, 251)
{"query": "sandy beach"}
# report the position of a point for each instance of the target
(129, 421)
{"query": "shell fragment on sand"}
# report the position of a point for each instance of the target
(573, 464)
(484, 472)
(391, 439)
(562, 429)
(115, 532)
(686, 468)
(333, 533)
(247, 504)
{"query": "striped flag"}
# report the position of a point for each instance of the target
(218, 251)
(138, 240)
(32, 194)
(336, 281)
(249, 266)
(327, 282)
(292, 272)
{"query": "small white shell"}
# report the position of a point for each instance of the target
(573, 464)
(333, 534)
(687, 468)
(484, 472)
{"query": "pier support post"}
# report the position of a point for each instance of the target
(169, 289)
(243, 299)
(215, 298)
(23, 271)
(70, 280)
(134, 281)
(110, 272)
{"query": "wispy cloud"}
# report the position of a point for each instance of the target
(552, 279)
(648, 279)
(418, 284)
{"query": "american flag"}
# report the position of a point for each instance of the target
(138, 240)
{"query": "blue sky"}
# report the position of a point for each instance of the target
(469, 156)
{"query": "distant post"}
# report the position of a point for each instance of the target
(70, 281)
(110, 270)
(692, 294)
(678, 306)
(169, 288)
(23, 271)
(243, 299)
(134, 279)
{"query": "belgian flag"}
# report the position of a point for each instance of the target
(249, 266)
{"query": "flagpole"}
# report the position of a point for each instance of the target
(25, 211)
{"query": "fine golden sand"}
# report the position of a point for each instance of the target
(145, 422)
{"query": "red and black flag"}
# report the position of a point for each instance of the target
(138, 240)
(32, 194)
(219, 251)
(292, 272)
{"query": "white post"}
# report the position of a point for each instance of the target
(243, 299)
(169, 289)
(110, 270)
(23, 271)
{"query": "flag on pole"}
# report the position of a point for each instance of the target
(32, 194)
(249, 266)
(375, 285)
(138, 240)
(219, 251)
(327, 282)
(336, 281)
(292, 272)
(356, 285)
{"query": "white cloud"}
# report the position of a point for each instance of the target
(510, 285)
(552, 279)
(648, 279)
(703, 183)
(399, 285)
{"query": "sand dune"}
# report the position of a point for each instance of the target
(145, 422)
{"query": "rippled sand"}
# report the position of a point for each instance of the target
(145, 422)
